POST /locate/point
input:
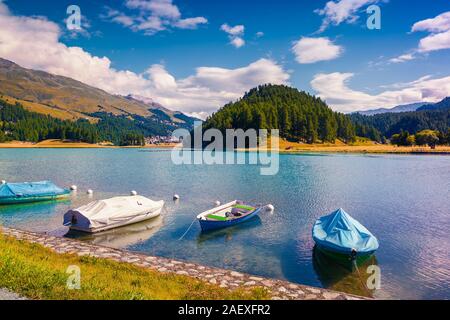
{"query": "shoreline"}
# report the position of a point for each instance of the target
(58, 144)
(224, 279)
(285, 147)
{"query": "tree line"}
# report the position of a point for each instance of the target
(298, 115)
(302, 117)
(390, 125)
(17, 123)
(430, 138)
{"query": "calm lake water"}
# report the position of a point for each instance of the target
(403, 199)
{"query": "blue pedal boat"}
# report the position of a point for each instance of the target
(227, 215)
(343, 238)
(27, 192)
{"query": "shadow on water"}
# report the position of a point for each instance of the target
(122, 237)
(227, 233)
(343, 277)
(38, 207)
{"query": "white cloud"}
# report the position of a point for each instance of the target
(439, 28)
(235, 34)
(339, 11)
(233, 31)
(311, 50)
(402, 58)
(159, 8)
(434, 42)
(260, 34)
(211, 87)
(438, 24)
(334, 89)
(438, 39)
(152, 16)
(190, 23)
(122, 19)
(3, 8)
(33, 42)
(237, 42)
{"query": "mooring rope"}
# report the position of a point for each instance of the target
(360, 278)
(188, 229)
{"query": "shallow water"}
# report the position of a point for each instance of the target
(403, 199)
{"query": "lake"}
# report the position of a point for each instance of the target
(403, 199)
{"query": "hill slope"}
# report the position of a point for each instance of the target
(298, 115)
(444, 104)
(397, 109)
(432, 117)
(68, 99)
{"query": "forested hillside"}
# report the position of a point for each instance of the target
(389, 124)
(16, 123)
(298, 115)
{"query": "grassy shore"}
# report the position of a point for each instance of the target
(38, 273)
(284, 147)
(71, 144)
(361, 146)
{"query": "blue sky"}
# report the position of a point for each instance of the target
(348, 65)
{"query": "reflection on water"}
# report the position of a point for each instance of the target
(121, 237)
(228, 234)
(340, 276)
(39, 214)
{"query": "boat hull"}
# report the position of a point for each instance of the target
(22, 200)
(141, 218)
(345, 259)
(208, 225)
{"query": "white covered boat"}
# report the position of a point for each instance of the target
(112, 213)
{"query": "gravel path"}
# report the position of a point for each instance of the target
(8, 295)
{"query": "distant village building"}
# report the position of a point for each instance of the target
(161, 140)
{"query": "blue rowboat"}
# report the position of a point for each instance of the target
(227, 215)
(27, 192)
(343, 238)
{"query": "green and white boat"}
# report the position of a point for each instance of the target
(26, 192)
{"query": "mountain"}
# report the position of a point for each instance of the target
(444, 104)
(67, 99)
(159, 110)
(397, 109)
(298, 115)
(389, 124)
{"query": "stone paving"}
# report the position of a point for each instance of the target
(279, 290)
(9, 296)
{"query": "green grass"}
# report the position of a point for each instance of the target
(39, 273)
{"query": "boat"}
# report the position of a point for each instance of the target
(26, 192)
(123, 237)
(227, 215)
(343, 238)
(102, 215)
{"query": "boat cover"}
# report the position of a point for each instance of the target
(341, 233)
(115, 211)
(30, 189)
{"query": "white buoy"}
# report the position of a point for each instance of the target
(217, 203)
(3, 181)
(176, 197)
(134, 193)
(270, 208)
(90, 192)
(74, 188)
